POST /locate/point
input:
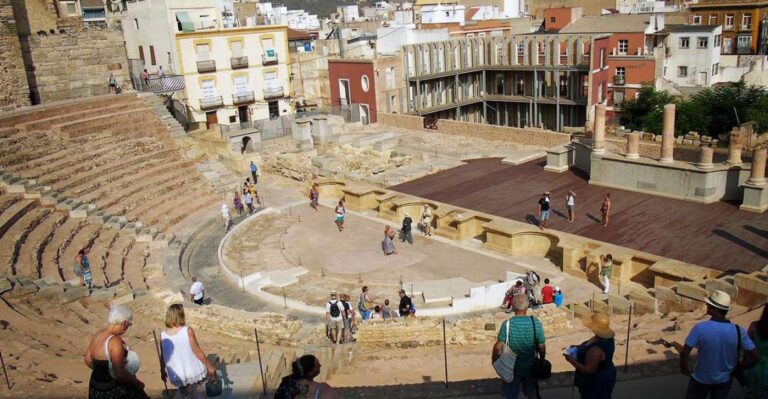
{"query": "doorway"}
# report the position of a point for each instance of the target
(344, 93)
(211, 121)
(246, 145)
(242, 113)
(364, 114)
(274, 109)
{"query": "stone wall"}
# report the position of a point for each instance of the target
(538, 137)
(74, 64)
(13, 82)
(652, 149)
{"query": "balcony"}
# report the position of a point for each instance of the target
(206, 66)
(243, 97)
(619, 80)
(269, 57)
(211, 102)
(238, 62)
(273, 92)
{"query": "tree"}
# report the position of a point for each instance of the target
(758, 114)
(644, 112)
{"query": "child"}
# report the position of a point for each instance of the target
(558, 297)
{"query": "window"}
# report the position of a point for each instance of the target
(621, 71)
(203, 52)
(713, 19)
(209, 89)
(141, 53)
(499, 53)
(746, 22)
(718, 40)
(71, 9)
(520, 49)
(729, 21)
(715, 69)
(236, 48)
(364, 83)
(552, 19)
(623, 47)
(447, 14)
(685, 42)
(602, 58)
(682, 72)
(697, 19)
(390, 78)
(702, 42)
(240, 84)
(136, 23)
(153, 61)
(744, 42)
(727, 45)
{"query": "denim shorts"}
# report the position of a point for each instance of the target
(545, 215)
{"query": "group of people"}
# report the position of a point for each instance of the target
(341, 317)
(406, 230)
(528, 287)
(244, 200)
(545, 206)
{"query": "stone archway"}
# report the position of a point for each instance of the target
(246, 145)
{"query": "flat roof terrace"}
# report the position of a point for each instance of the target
(717, 235)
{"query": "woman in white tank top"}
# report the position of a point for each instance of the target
(185, 363)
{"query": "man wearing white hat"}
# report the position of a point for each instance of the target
(719, 344)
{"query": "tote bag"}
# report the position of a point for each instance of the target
(505, 364)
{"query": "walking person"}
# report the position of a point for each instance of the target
(544, 206)
(407, 236)
(300, 383)
(558, 297)
(226, 216)
(605, 209)
(249, 201)
(238, 204)
(314, 197)
(333, 318)
(570, 204)
(593, 360)
(606, 270)
(365, 304)
(388, 245)
(254, 173)
(160, 72)
(426, 220)
(196, 291)
(406, 304)
(114, 365)
(183, 361)
(720, 345)
(757, 376)
(112, 84)
(346, 316)
(524, 335)
(340, 212)
(82, 268)
(145, 77)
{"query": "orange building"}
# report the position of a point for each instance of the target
(745, 23)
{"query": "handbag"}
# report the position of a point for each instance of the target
(213, 387)
(505, 364)
(542, 368)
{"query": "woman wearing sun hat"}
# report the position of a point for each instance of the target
(593, 360)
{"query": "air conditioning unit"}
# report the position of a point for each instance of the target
(115, 5)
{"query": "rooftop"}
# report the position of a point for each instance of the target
(689, 28)
(618, 23)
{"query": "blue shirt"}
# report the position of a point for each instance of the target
(253, 167)
(716, 342)
(559, 299)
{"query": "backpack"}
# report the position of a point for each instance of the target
(335, 311)
(533, 278)
(347, 309)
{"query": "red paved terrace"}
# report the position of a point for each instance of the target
(715, 235)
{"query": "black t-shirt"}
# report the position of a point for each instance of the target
(407, 223)
(405, 305)
(544, 203)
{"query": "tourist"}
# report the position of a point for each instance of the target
(352, 316)
(160, 72)
(247, 184)
(386, 311)
(544, 210)
(145, 77)
(547, 293)
(183, 361)
(333, 317)
(314, 197)
(238, 204)
(718, 344)
(406, 304)
(254, 193)
(388, 245)
(605, 209)
(112, 84)
(364, 305)
(226, 216)
(518, 334)
(249, 201)
(340, 212)
(570, 204)
(606, 270)
(196, 291)
(406, 230)
(301, 384)
(532, 280)
(113, 363)
(593, 360)
(376, 315)
(254, 173)
(757, 376)
(346, 317)
(558, 297)
(426, 220)
(78, 268)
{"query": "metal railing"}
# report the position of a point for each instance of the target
(238, 62)
(206, 66)
(273, 92)
(283, 124)
(619, 80)
(211, 102)
(243, 97)
(166, 84)
(268, 60)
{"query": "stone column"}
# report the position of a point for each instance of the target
(633, 145)
(599, 134)
(757, 177)
(668, 134)
(734, 148)
(705, 157)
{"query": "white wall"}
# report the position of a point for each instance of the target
(391, 39)
(439, 13)
(513, 8)
(698, 60)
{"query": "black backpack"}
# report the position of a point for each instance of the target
(335, 311)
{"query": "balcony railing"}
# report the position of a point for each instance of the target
(273, 92)
(206, 66)
(243, 97)
(211, 102)
(269, 57)
(238, 62)
(619, 80)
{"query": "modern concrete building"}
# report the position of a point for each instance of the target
(543, 80)
(745, 23)
(235, 75)
(692, 55)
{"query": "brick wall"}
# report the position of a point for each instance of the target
(13, 82)
(539, 137)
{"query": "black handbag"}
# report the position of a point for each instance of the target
(542, 368)
(213, 387)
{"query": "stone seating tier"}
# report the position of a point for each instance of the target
(30, 114)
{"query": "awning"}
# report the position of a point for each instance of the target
(185, 22)
(91, 4)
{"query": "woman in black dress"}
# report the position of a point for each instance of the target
(593, 360)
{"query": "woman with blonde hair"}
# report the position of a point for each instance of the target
(184, 362)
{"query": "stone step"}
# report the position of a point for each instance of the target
(147, 234)
(82, 211)
(67, 204)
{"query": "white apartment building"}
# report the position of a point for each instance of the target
(391, 39)
(235, 75)
(348, 13)
(692, 55)
(442, 13)
(645, 6)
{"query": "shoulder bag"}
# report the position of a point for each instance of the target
(505, 364)
(542, 368)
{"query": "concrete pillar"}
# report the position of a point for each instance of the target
(668, 134)
(757, 176)
(734, 148)
(705, 157)
(599, 134)
(633, 145)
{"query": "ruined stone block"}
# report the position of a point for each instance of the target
(724, 285)
(102, 294)
(51, 292)
(643, 301)
(692, 290)
(24, 286)
(74, 294)
(580, 310)
(5, 285)
(619, 304)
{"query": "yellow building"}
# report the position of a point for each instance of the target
(235, 75)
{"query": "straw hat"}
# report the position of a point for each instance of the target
(719, 299)
(600, 324)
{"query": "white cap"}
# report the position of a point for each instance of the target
(557, 289)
